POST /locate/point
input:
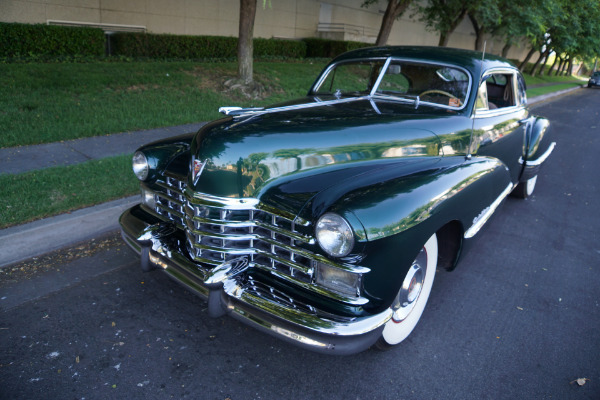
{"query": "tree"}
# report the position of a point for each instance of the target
(394, 10)
(443, 16)
(486, 17)
(245, 48)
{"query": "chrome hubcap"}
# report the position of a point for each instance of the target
(411, 288)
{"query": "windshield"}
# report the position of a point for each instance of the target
(403, 80)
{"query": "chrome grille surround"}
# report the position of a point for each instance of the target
(221, 229)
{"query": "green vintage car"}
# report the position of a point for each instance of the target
(322, 220)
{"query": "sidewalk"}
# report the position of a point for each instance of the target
(35, 238)
(16, 160)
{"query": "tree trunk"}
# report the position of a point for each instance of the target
(393, 11)
(595, 65)
(560, 64)
(532, 72)
(527, 58)
(245, 48)
(563, 70)
(479, 32)
(543, 65)
(443, 42)
(505, 50)
(553, 65)
(445, 36)
(570, 69)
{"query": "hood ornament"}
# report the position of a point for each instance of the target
(197, 168)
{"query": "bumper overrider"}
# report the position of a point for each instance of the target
(159, 247)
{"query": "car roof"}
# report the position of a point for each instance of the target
(468, 59)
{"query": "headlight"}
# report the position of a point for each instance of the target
(338, 280)
(148, 198)
(140, 165)
(334, 235)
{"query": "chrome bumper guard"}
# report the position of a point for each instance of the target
(221, 288)
(532, 167)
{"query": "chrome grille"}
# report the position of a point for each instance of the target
(217, 233)
(171, 203)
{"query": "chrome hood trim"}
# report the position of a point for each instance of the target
(239, 112)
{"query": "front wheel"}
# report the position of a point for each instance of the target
(412, 297)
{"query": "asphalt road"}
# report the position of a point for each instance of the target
(518, 319)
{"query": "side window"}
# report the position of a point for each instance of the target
(521, 91)
(500, 91)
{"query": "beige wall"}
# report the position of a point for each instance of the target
(336, 19)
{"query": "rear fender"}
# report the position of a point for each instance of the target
(536, 148)
(535, 134)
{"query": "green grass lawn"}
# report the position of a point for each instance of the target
(57, 190)
(545, 79)
(43, 103)
(550, 89)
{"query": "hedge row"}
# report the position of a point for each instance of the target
(47, 41)
(195, 47)
(180, 46)
(24, 40)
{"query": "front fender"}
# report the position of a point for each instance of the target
(400, 213)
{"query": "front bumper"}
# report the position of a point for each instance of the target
(158, 247)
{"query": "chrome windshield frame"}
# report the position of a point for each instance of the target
(388, 60)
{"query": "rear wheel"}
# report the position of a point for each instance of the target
(525, 189)
(412, 297)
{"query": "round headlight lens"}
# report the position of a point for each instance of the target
(140, 165)
(334, 235)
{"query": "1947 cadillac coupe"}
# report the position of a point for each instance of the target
(322, 220)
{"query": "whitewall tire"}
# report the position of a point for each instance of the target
(412, 296)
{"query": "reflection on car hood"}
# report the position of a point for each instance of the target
(245, 156)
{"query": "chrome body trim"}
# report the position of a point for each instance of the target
(532, 168)
(247, 112)
(485, 215)
(540, 159)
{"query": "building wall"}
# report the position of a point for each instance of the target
(335, 19)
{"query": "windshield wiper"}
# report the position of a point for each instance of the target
(400, 97)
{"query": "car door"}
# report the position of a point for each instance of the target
(500, 120)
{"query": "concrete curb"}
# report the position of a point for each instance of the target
(36, 238)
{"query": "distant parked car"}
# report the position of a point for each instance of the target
(594, 79)
(322, 220)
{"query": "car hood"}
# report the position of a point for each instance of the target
(311, 148)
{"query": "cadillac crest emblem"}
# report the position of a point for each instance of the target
(197, 167)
